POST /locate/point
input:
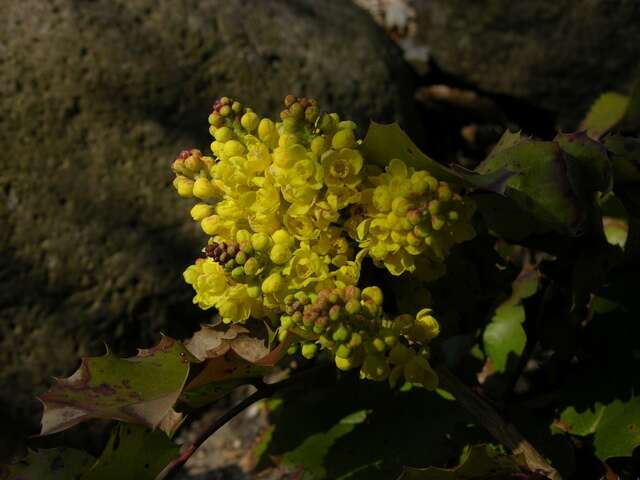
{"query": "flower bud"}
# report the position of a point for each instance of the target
(261, 242)
(210, 224)
(374, 294)
(272, 283)
(184, 186)
(201, 210)
(233, 148)
(343, 139)
(204, 189)
(250, 121)
(309, 350)
(280, 254)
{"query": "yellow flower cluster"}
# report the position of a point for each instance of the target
(272, 193)
(407, 216)
(291, 210)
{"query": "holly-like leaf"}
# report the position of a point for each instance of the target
(310, 454)
(592, 159)
(51, 464)
(546, 185)
(383, 143)
(135, 452)
(140, 389)
(386, 142)
(481, 462)
(230, 358)
(625, 158)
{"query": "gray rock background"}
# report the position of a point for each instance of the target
(555, 54)
(96, 99)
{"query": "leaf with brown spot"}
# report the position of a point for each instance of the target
(231, 358)
(140, 389)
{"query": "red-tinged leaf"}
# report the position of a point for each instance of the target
(230, 358)
(594, 166)
(141, 389)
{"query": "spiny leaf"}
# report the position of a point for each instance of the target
(230, 358)
(544, 186)
(383, 143)
(311, 453)
(625, 157)
(481, 462)
(134, 452)
(386, 142)
(593, 162)
(141, 389)
(52, 464)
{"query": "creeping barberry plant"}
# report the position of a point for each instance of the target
(366, 265)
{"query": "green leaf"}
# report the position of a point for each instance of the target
(134, 452)
(613, 111)
(607, 112)
(383, 143)
(625, 158)
(415, 427)
(141, 389)
(543, 186)
(311, 453)
(386, 142)
(504, 338)
(481, 462)
(615, 426)
(52, 464)
(595, 170)
(602, 400)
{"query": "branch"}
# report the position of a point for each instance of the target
(264, 390)
(490, 419)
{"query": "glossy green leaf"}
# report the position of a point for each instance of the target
(383, 143)
(141, 389)
(543, 186)
(481, 462)
(613, 111)
(52, 464)
(133, 452)
(415, 427)
(625, 158)
(615, 426)
(594, 165)
(606, 112)
(504, 338)
(386, 142)
(311, 453)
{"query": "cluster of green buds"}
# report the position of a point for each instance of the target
(350, 324)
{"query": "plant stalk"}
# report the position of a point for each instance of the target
(490, 419)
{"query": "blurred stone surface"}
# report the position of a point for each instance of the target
(556, 54)
(96, 99)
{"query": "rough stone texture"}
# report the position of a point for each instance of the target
(556, 54)
(96, 99)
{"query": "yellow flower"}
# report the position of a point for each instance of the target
(342, 167)
(306, 266)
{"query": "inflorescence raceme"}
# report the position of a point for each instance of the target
(292, 209)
